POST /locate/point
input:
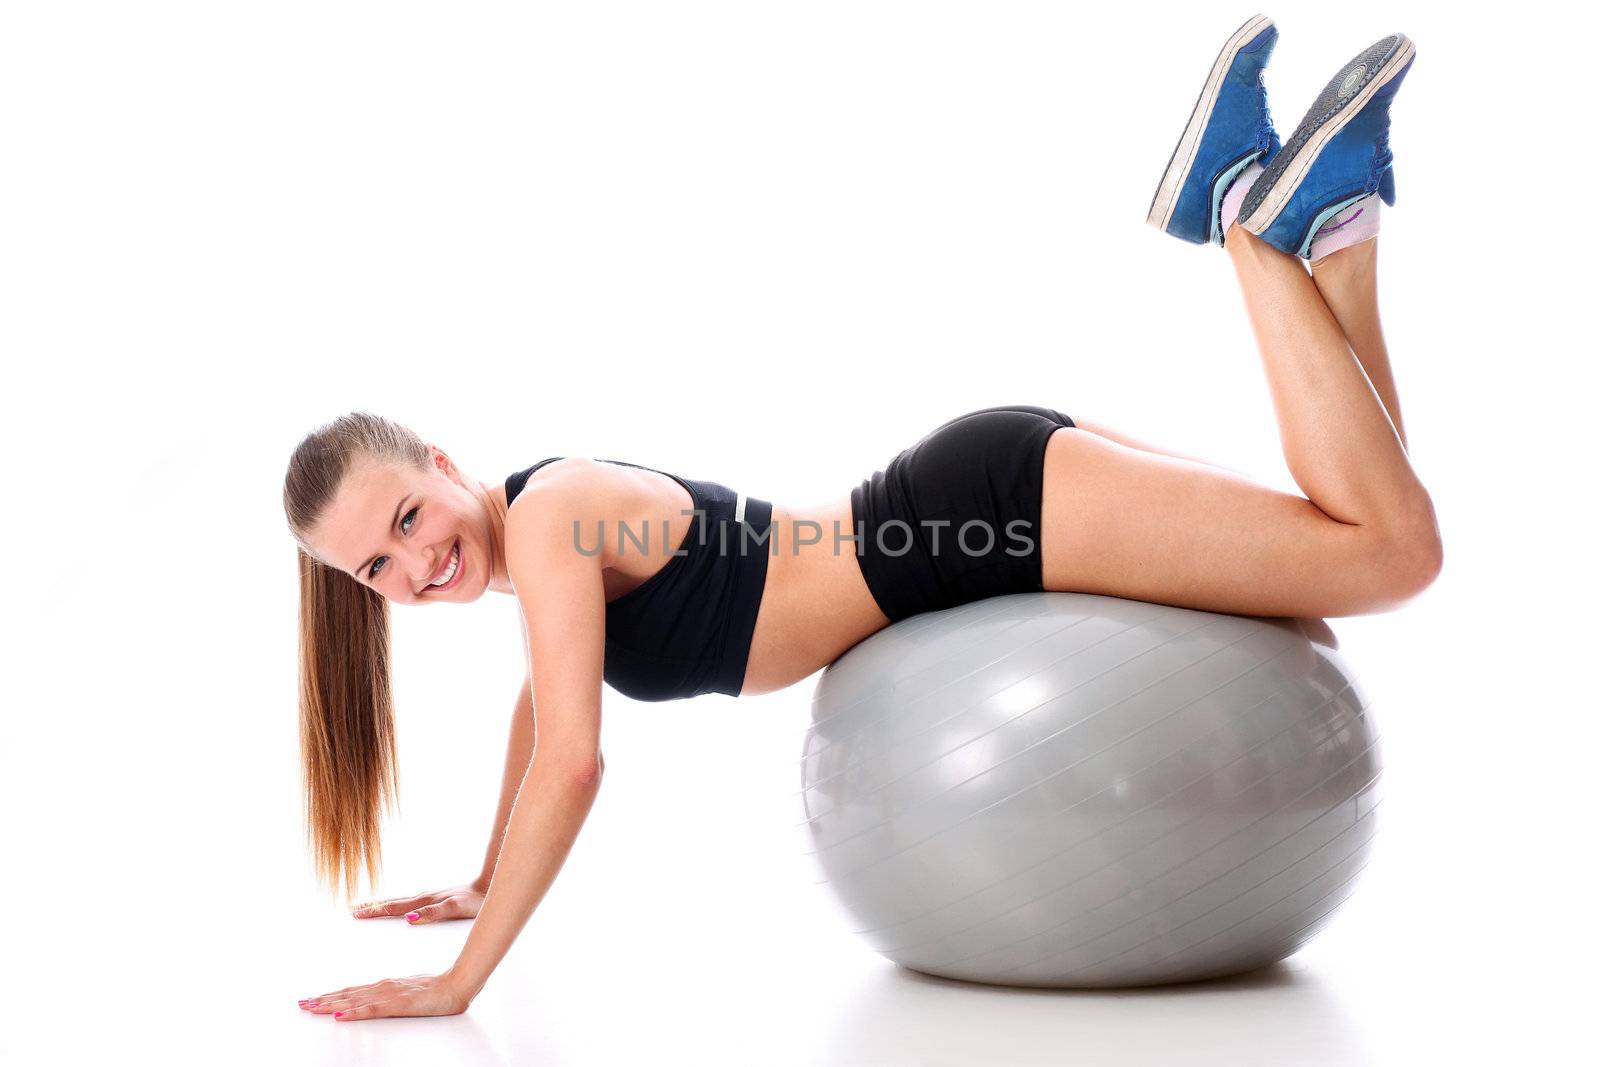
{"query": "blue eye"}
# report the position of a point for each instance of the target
(373, 573)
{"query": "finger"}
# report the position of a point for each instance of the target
(370, 1010)
(344, 1003)
(339, 994)
(336, 993)
(428, 913)
(369, 905)
(329, 1006)
(397, 906)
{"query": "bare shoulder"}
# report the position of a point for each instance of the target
(570, 493)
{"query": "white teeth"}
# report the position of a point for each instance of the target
(450, 571)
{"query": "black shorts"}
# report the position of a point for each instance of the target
(955, 517)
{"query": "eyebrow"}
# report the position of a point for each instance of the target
(361, 571)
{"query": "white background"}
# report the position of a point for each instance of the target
(769, 245)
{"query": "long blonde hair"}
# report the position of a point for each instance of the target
(347, 730)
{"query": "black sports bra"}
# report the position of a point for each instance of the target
(686, 629)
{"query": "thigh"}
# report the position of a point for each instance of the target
(1119, 521)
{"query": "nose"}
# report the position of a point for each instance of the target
(427, 563)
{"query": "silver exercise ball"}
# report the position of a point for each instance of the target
(1056, 789)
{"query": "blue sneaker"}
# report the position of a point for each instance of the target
(1228, 130)
(1337, 155)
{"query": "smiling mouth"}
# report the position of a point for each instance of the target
(453, 567)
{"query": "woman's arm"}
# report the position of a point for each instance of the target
(464, 902)
(519, 756)
(550, 810)
(562, 596)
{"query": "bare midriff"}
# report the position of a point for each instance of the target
(815, 603)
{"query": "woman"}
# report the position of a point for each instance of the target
(666, 587)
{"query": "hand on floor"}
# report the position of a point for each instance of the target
(420, 994)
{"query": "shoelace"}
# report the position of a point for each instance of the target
(1264, 128)
(1331, 228)
(1382, 159)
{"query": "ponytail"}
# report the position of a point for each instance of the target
(347, 723)
(347, 730)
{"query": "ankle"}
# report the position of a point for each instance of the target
(1229, 212)
(1359, 257)
(1241, 241)
(1253, 255)
(1355, 226)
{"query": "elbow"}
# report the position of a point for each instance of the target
(582, 771)
(587, 774)
(560, 768)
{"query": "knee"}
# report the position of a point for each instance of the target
(1414, 555)
(1425, 559)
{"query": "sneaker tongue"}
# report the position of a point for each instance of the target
(1386, 186)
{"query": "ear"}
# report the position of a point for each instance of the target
(442, 461)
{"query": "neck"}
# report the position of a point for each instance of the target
(495, 505)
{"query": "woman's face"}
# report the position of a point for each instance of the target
(401, 531)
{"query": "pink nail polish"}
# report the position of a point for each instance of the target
(337, 1014)
(413, 915)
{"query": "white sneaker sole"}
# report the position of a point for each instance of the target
(1166, 199)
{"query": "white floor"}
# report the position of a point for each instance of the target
(684, 927)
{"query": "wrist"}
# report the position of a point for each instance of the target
(463, 986)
